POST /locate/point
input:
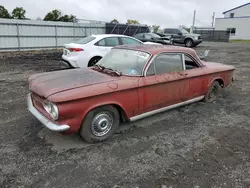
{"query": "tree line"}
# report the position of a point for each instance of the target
(19, 13)
(54, 15)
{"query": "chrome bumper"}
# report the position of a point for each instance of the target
(46, 122)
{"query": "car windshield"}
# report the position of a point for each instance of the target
(124, 61)
(184, 31)
(85, 40)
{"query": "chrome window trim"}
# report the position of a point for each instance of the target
(191, 57)
(183, 61)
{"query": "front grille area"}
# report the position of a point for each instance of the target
(199, 37)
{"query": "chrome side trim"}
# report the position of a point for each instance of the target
(141, 116)
(46, 122)
(183, 62)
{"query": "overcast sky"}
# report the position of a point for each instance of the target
(170, 13)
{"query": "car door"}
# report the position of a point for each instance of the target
(177, 35)
(163, 84)
(106, 44)
(194, 73)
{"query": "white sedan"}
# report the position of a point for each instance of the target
(89, 50)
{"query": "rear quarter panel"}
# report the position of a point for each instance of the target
(217, 71)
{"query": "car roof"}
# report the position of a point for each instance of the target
(155, 49)
(99, 36)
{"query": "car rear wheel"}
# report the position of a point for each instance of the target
(213, 92)
(189, 43)
(93, 61)
(100, 124)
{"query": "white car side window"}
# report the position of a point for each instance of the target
(111, 41)
(101, 42)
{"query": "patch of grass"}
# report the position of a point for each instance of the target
(240, 41)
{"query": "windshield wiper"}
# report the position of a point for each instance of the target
(99, 66)
(107, 68)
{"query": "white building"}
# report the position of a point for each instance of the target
(237, 21)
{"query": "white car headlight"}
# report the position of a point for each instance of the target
(195, 38)
(52, 109)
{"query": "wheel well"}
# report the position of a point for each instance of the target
(188, 39)
(123, 116)
(221, 82)
(93, 58)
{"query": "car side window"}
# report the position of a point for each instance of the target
(189, 62)
(151, 69)
(176, 31)
(126, 40)
(111, 41)
(168, 31)
(101, 43)
(166, 63)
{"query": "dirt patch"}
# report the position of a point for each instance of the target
(200, 145)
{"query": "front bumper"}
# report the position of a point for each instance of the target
(196, 42)
(46, 122)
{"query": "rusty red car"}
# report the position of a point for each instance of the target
(129, 83)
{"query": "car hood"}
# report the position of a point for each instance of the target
(46, 84)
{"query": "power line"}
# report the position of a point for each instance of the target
(203, 23)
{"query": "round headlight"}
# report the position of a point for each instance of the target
(51, 109)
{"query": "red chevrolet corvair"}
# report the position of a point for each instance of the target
(129, 83)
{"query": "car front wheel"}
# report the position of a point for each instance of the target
(100, 124)
(189, 43)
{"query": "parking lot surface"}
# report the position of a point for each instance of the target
(199, 145)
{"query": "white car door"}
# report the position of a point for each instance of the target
(106, 44)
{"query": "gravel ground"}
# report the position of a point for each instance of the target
(197, 146)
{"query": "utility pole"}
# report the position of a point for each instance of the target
(192, 29)
(213, 19)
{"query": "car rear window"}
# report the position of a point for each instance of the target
(85, 40)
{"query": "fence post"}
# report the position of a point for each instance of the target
(56, 36)
(18, 36)
(74, 30)
(90, 30)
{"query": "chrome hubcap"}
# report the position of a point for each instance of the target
(101, 124)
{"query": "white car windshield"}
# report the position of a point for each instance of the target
(127, 62)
